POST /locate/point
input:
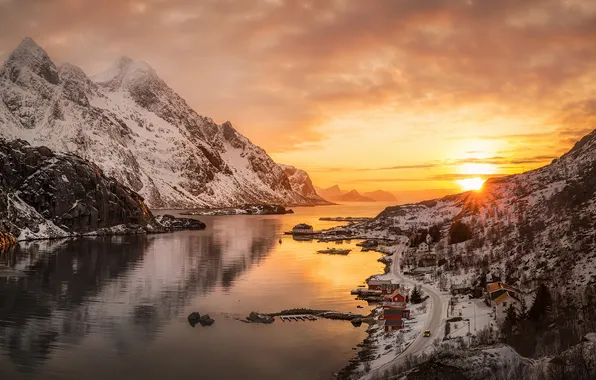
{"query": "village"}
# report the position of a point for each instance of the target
(417, 302)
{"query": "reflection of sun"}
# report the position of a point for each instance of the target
(470, 183)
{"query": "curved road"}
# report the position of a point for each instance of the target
(434, 323)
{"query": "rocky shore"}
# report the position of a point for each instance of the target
(48, 195)
(262, 209)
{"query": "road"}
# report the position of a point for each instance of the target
(434, 323)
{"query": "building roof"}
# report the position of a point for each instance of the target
(394, 322)
(375, 281)
(499, 285)
(393, 312)
(503, 297)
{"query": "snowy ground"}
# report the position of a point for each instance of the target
(392, 344)
(473, 312)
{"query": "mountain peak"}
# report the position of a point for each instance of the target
(28, 54)
(124, 70)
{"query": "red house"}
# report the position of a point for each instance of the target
(385, 286)
(396, 297)
(393, 318)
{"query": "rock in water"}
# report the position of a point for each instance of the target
(260, 318)
(356, 322)
(194, 318)
(205, 320)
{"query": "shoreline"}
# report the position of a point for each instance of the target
(367, 347)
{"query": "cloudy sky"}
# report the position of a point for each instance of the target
(392, 94)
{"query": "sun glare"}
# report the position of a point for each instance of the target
(471, 183)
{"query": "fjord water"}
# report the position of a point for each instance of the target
(116, 308)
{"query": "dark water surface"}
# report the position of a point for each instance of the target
(115, 308)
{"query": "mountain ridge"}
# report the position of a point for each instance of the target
(139, 131)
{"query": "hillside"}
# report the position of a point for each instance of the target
(524, 228)
(380, 196)
(48, 195)
(302, 184)
(139, 131)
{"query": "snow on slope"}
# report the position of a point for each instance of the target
(525, 228)
(302, 184)
(138, 130)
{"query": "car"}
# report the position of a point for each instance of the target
(427, 333)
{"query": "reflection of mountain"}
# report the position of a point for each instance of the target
(123, 288)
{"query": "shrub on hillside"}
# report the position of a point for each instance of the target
(459, 232)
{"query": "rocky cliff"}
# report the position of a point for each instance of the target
(137, 130)
(302, 184)
(49, 195)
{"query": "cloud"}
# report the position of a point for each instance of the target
(280, 70)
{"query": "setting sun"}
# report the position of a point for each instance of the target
(471, 183)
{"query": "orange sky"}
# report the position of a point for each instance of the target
(390, 94)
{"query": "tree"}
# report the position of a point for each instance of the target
(459, 232)
(541, 306)
(510, 322)
(416, 296)
(435, 232)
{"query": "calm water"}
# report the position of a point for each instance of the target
(116, 308)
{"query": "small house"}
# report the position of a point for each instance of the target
(427, 260)
(385, 286)
(302, 229)
(495, 290)
(502, 303)
(393, 324)
(392, 319)
(423, 247)
(395, 297)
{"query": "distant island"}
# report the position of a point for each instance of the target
(335, 194)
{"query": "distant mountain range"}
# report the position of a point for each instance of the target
(335, 194)
(139, 131)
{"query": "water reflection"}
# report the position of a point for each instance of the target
(125, 287)
(116, 307)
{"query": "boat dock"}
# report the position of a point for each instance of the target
(297, 318)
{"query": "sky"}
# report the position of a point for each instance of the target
(398, 95)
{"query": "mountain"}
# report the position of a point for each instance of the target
(335, 194)
(525, 228)
(49, 195)
(380, 196)
(330, 193)
(302, 184)
(353, 196)
(137, 130)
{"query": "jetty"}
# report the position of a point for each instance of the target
(290, 318)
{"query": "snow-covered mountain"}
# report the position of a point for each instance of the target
(302, 184)
(138, 130)
(524, 228)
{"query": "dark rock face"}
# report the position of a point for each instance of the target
(47, 195)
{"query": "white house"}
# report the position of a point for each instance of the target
(502, 303)
(423, 247)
